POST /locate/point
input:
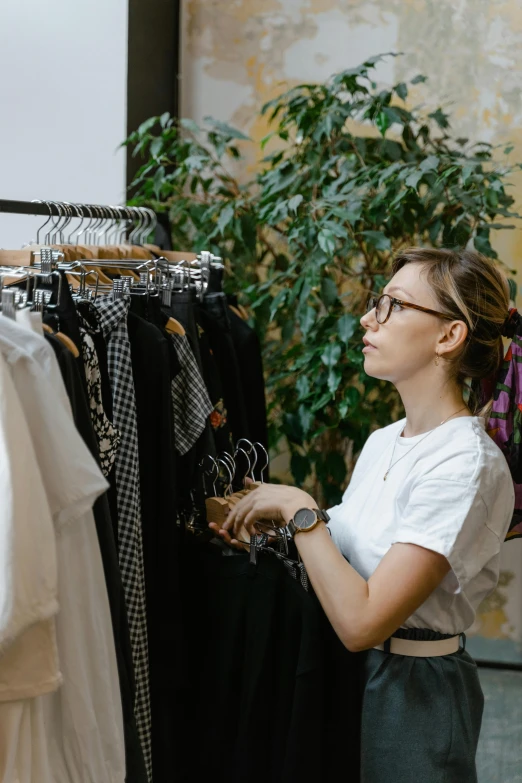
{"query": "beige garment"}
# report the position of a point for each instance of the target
(28, 570)
(82, 722)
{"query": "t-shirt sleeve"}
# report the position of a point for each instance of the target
(451, 518)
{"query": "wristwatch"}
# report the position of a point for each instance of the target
(306, 519)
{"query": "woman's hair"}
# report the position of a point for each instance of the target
(471, 288)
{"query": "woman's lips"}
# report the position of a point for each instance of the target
(368, 346)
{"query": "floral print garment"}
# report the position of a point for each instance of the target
(107, 436)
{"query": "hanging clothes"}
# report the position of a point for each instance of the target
(113, 321)
(212, 317)
(80, 726)
(135, 764)
(157, 460)
(265, 669)
(248, 351)
(191, 403)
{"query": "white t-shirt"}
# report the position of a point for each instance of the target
(452, 493)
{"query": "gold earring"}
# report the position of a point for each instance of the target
(437, 359)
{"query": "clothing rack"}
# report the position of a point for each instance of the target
(59, 209)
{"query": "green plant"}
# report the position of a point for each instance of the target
(354, 176)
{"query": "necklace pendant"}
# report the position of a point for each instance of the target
(385, 475)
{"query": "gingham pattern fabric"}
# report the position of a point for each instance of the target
(113, 321)
(191, 404)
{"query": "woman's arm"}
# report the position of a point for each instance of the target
(363, 614)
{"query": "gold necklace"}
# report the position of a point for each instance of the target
(390, 466)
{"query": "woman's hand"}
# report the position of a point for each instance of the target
(274, 504)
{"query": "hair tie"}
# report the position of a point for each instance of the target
(510, 326)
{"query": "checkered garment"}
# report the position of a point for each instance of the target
(113, 321)
(191, 404)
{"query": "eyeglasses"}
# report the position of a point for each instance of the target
(383, 307)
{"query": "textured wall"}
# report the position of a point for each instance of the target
(237, 54)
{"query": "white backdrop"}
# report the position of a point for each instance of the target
(63, 83)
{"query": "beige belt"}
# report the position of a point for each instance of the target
(422, 649)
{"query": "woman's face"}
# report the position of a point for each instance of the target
(405, 345)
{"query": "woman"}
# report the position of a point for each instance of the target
(413, 548)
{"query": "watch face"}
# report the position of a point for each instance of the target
(305, 518)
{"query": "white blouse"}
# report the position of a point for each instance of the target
(452, 493)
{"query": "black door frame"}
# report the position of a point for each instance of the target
(153, 50)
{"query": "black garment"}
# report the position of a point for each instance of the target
(182, 309)
(163, 232)
(219, 420)
(272, 694)
(135, 765)
(61, 315)
(152, 385)
(212, 316)
(248, 352)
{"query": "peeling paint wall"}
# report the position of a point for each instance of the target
(238, 54)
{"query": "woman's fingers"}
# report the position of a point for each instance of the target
(227, 538)
(237, 513)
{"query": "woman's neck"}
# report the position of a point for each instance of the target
(425, 411)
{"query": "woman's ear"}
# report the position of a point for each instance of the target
(452, 338)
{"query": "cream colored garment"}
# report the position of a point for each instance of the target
(82, 722)
(28, 572)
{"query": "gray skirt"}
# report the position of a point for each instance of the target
(421, 717)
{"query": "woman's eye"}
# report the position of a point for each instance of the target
(396, 306)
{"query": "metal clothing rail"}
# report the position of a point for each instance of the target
(64, 208)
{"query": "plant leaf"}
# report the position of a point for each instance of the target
(346, 326)
(164, 119)
(225, 216)
(401, 90)
(328, 291)
(331, 354)
(326, 241)
(376, 238)
(294, 202)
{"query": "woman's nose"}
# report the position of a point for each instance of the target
(368, 320)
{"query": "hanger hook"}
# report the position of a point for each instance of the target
(266, 457)
(249, 468)
(249, 452)
(81, 217)
(85, 208)
(230, 459)
(52, 232)
(68, 218)
(228, 488)
(39, 201)
(210, 473)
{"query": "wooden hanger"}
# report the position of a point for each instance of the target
(236, 311)
(174, 327)
(65, 340)
(102, 276)
(154, 248)
(25, 257)
(218, 508)
(178, 255)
